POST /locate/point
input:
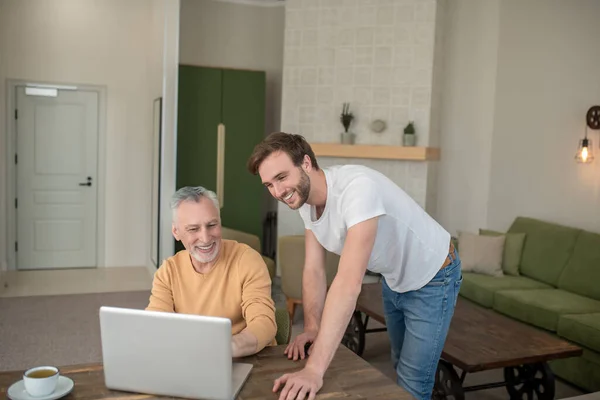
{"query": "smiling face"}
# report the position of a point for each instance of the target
(198, 226)
(286, 182)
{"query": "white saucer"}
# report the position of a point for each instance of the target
(63, 388)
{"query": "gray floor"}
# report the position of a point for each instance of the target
(64, 330)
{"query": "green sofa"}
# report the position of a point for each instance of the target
(557, 289)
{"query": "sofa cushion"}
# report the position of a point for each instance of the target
(481, 254)
(513, 249)
(547, 248)
(542, 307)
(583, 329)
(481, 288)
(582, 273)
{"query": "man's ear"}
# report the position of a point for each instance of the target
(306, 164)
(175, 232)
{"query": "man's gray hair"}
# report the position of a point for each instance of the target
(193, 193)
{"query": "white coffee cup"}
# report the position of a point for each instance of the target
(41, 381)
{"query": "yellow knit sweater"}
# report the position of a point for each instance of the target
(238, 287)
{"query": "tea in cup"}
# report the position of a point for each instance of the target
(41, 381)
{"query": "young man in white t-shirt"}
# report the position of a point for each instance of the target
(361, 215)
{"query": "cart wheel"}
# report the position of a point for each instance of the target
(529, 381)
(447, 383)
(354, 337)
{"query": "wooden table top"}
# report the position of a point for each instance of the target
(348, 377)
(480, 339)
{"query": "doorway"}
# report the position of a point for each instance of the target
(55, 139)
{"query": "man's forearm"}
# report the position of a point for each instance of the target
(314, 290)
(339, 307)
(243, 344)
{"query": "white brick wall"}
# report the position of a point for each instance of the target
(378, 55)
(375, 54)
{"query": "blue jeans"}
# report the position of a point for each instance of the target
(417, 324)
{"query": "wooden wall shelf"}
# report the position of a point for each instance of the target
(406, 153)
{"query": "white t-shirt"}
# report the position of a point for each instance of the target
(410, 247)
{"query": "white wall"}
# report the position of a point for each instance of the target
(520, 77)
(438, 73)
(377, 56)
(110, 43)
(469, 90)
(548, 77)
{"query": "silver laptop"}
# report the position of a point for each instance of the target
(169, 354)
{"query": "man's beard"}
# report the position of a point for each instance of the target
(205, 257)
(302, 190)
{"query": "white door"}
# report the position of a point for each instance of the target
(57, 147)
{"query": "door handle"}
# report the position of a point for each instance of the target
(88, 183)
(221, 164)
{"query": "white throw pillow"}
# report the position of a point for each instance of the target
(481, 254)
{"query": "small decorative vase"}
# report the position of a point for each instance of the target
(348, 137)
(409, 139)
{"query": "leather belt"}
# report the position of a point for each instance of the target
(450, 256)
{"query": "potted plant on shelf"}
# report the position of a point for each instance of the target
(409, 138)
(346, 118)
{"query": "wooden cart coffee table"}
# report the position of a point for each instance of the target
(479, 339)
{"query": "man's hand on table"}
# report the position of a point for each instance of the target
(295, 349)
(299, 385)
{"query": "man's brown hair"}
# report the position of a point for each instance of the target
(293, 145)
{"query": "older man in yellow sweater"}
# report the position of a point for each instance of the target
(214, 276)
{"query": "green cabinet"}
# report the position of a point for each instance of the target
(207, 98)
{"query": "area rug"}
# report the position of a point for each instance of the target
(56, 330)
